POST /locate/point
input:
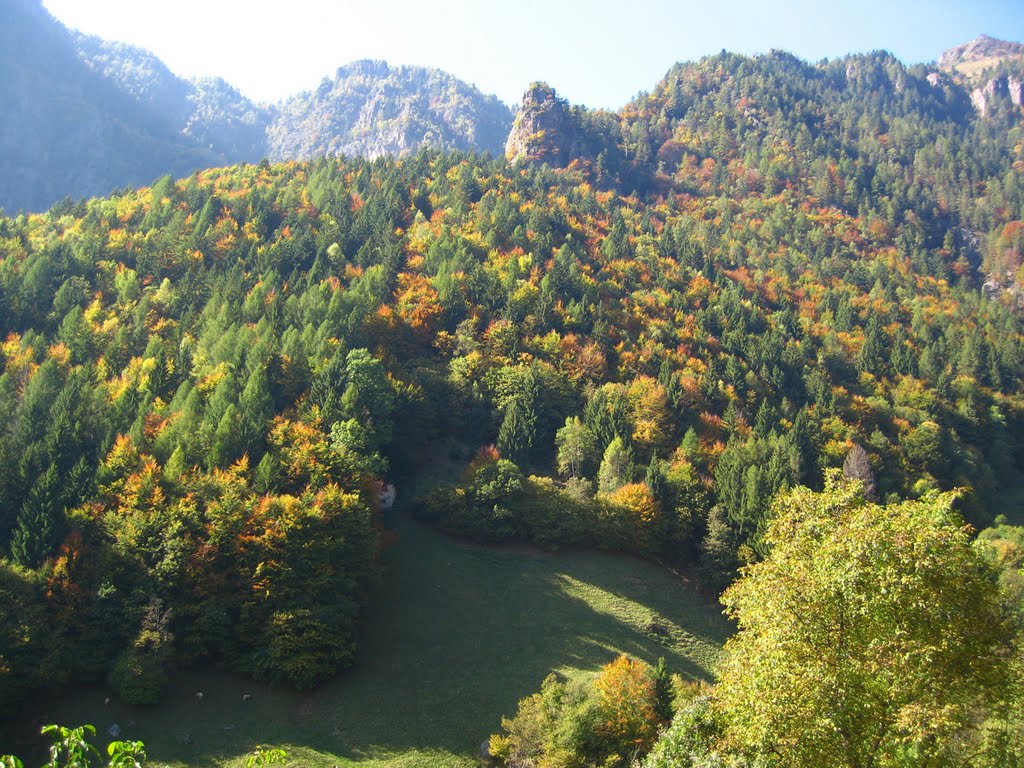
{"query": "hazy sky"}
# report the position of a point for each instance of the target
(595, 52)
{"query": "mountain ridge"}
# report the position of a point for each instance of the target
(75, 132)
(128, 119)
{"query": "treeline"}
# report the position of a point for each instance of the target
(204, 381)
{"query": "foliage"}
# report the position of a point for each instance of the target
(577, 448)
(609, 721)
(262, 756)
(137, 678)
(616, 467)
(72, 748)
(866, 636)
(693, 741)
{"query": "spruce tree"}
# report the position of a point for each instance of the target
(40, 521)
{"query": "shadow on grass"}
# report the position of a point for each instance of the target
(455, 635)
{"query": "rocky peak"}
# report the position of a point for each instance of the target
(544, 129)
(371, 109)
(992, 71)
(374, 68)
(973, 58)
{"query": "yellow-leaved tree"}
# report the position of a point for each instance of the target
(869, 636)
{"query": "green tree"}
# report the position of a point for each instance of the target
(26, 645)
(616, 467)
(867, 637)
(692, 741)
(369, 396)
(577, 448)
(664, 691)
(518, 431)
(40, 522)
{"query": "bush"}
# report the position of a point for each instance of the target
(610, 720)
(138, 678)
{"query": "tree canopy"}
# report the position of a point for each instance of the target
(868, 636)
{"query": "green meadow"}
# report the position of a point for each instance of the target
(454, 636)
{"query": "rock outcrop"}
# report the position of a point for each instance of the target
(544, 129)
(991, 70)
(984, 97)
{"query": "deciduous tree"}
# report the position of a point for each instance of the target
(867, 637)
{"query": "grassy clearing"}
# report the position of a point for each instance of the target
(455, 635)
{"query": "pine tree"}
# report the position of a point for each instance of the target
(664, 692)
(518, 430)
(40, 521)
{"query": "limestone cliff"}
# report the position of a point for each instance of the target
(992, 71)
(544, 129)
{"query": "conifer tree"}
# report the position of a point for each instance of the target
(40, 521)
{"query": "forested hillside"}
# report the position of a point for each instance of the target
(760, 270)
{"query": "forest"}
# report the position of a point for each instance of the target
(772, 291)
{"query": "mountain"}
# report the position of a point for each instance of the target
(93, 115)
(973, 58)
(367, 109)
(68, 130)
(727, 106)
(371, 109)
(208, 110)
(992, 70)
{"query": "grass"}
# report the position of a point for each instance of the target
(454, 636)
(974, 69)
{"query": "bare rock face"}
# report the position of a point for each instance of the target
(1015, 88)
(1008, 87)
(986, 66)
(544, 129)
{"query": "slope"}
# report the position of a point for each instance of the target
(455, 636)
(69, 131)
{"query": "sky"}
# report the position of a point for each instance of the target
(599, 53)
